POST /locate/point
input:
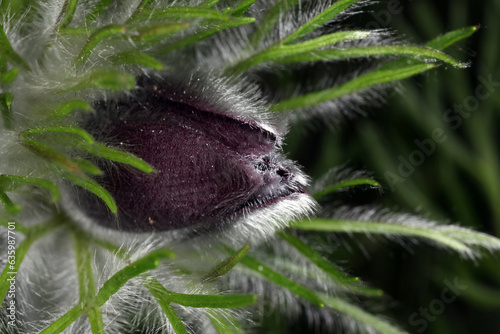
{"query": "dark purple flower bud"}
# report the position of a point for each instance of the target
(211, 168)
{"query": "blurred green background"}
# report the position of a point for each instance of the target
(456, 180)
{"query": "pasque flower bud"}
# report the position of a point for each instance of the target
(211, 168)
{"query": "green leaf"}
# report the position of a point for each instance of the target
(96, 38)
(315, 258)
(439, 43)
(113, 154)
(346, 184)
(5, 102)
(137, 58)
(281, 280)
(156, 290)
(208, 3)
(7, 51)
(280, 51)
(158, 30)
(8, 77)
(357, 313)
(109, 79)
(319, 20)
(383, 50)
(360, 83)
(7, 181)
(241, 7)
(208, 301)
(67, 13)
(181, 13)
(63, 322)
(442, 42)
(60, 129)
(455, 238)
(94, 187)
(8, 204)
(49, 154)
(67, 107)
(148, 262)
(226, 265)
(86, 281)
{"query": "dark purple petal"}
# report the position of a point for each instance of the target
(211, 168)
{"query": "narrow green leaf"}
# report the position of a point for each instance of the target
(470, 237)
(204, 34)
(86, 281)
(95, 318)
(383, 50)
(208, 301)
(360, 83)
(112, 285)
(439, 43)
(280, 51)
(63, 322)
(320, 42)
(60, 129)
(346, 184)
(359, 314)
(270, 21)
(113, 154)
(226, 265)
(67, 107)
(49, 154)
(67, 13)
(156, 290)
(96, 38)
(442, 42)
(319, 20)
(452, 237)
(7, 51)
(8, 77)
(7, 180)
(137, 58)
(108, 79)
(364, 291)
(182, 13)
(5, 102)
(154, 31)
(10, 207)
(241, 7)
(315, 258)
(208, 3)
(93, 187)
(281, 280)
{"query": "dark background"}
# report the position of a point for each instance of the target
(457, 183)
